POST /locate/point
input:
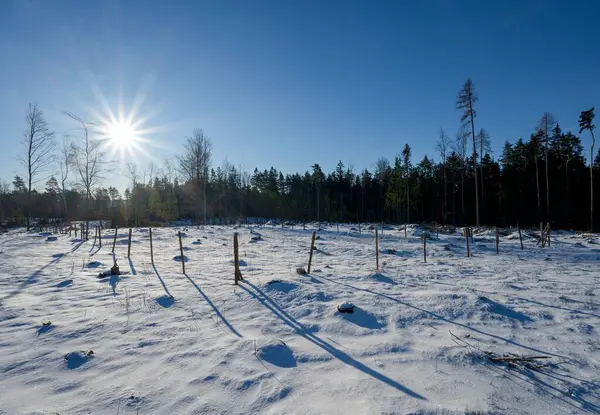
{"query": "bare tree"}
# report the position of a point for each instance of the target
(535, 142)
(586, 122)
(545, 125)
(483, 140)
(466, 101)
(65, 161)
(461, 149)
(195, 161)
(443, 146)
(133, 174)
(38, 141)
(88, 158)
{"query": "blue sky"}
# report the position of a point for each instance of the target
(290, 83)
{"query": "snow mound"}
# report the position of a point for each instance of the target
(277, 353)
(78, 358)
(281, 286)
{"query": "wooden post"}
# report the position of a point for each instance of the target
(181, 250)
(542, 233)
(467, 238)
(237, 275)
(497, 241)
(81, 231)
(520, 237)
(87, 230)
(312, 248)
(425, 247)
(382, 230)
(70, 229)
(377, 248)
(75, 230)
(548, 232)
(115, 239)
(151, 250)
(405, 230)
(100, 235)
(129, 245)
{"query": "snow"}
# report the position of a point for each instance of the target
(418, 342)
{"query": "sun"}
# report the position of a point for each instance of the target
(121, 135)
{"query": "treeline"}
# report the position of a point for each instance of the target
(542, 178)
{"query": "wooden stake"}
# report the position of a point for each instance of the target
(520, 237)
(467, 238)
(497, 241)
(377, 248)
(312, 248)
(181, 250)
(129, 245)
(115, 240)
(542, 233)
(81, 231)
(548, 232)
(100, 235)
(151, 250)
(87, 230)
(237, 275)
(425, 247)
(405, 230)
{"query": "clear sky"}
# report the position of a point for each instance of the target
(290, 83)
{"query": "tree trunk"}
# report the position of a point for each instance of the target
(567, 217)
(592, 182)
(537, 184)
(547, 189)
(475, 168)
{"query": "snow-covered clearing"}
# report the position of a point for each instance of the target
(417, 342)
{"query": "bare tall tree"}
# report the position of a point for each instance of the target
(64, 163)
(535, 141)
(483, 140)
(38, 141)
(545, 126)
(586, 122)
(88, 158)
(466, 101)
(195, 162)
(461, 149)
(443, 146)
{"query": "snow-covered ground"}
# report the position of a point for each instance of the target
(419, 341)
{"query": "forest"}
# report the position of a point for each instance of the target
(547, 176)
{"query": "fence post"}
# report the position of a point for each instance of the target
(497, 241)
(87, 230)
(548, 234)
(181, 250)
(81, 231)
(425, 247)
(237, 274)
(129, 246)
(377, 248)
(115, 239)
(100, 235)
(312, 248)
(405, 230)
(151, 250)
(467, 238)
(520, 237)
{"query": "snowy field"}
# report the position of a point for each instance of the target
(420, 341)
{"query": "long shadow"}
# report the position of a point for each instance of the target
(304, 332)
(133, 271)
(555, 306)
(161, 281)
(215, 309)
(531, 378)
(439, 317)
(33, 277)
